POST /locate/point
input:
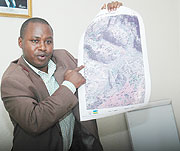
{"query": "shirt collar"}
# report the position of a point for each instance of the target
(51, 68)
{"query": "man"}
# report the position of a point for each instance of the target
(22, 4)
(39, 93)
(7, 3)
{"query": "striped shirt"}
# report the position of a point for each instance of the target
(67, 123)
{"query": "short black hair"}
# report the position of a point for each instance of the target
(32, 20)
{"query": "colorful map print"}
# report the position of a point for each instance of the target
(113, 60)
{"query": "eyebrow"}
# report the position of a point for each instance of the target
(50, 37)
(37, 37)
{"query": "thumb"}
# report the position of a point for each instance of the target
(103, 7)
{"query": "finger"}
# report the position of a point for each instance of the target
(119, 4)
(110, 6)
(115, 5)
(103, 7)
(67, 72)
(79, 68)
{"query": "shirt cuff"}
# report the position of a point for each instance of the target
(69, 85)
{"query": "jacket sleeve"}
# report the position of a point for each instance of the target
(33, 116)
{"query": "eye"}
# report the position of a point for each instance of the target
(34, 41)
(49, 42)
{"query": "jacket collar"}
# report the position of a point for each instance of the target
(36, 79)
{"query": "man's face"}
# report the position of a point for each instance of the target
(37, 45)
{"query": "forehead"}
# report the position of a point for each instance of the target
(38, 28)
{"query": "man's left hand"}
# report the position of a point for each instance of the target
(112, 6)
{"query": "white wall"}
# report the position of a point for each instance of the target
(69, 20)
(161, 24)
(179, 25)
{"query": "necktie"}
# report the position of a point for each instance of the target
(11, 4)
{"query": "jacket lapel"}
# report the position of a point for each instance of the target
(41, 93)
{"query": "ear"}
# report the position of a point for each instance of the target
(20, 42)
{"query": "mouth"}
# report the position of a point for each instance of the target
(42, 57)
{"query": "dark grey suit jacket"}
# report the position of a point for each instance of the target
(3, 3)
(35, 115)
(19, 3)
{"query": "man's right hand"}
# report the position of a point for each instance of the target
(75, 77)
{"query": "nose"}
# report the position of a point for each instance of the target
(42, 46)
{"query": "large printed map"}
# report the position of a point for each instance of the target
(113, 51)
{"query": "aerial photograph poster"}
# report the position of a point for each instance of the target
(113, 51)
